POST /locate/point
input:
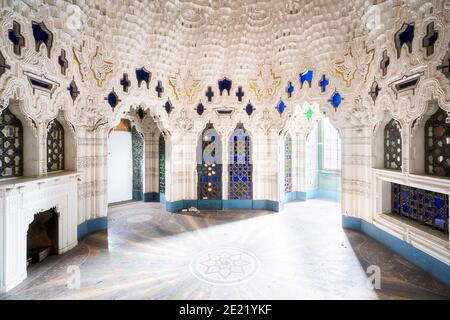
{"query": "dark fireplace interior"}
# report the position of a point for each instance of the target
(42, 236)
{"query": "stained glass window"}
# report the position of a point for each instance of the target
(437, 145)
(240, 167)
(209, 165)
(162, 164)
(11, 145)
(392, 146)
(55, 146)
(287, 163)
(422, 206)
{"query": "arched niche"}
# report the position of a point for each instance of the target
(389, 130)
(417, 141)
(31, 160)
(323, 161)
(209, 164)
(240, 165)
(70, 144)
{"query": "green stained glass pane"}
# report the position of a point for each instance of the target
(309, 113)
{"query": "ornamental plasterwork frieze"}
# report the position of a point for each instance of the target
(184, 84)
(366, 62)
(346, 68)
(101, 67)
(92, 66)
(183, 122)
(266, 83)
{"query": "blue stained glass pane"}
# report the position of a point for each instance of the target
(240, 168)
(39, 33)
(210, 169)
(405, 208)
(439, 203)
(249, 109)
(290, 89)
(142, 75)
(281, 106)
(425, 207)
(162, 164)
(14, 39)
(287, 164)
(336, 99)
(306, 76)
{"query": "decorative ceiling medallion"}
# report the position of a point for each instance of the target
(266, 82)
(186, 84)
(192, 15)
(406, 83)
(100, 67)
(366, 63)
(41, 83)
(347, 68)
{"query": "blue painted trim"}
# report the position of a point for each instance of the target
(175, 206)
(162, 198)
(330, 173)
(90, 226)
(237, 204)
(267, 205)
(138, 195)
(324, 194)
(295, 196)
(151, 197)
(423, 260)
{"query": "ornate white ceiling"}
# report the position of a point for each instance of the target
(221, 38)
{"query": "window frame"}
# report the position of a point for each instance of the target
(338, 149)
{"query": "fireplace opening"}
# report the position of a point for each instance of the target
(42, 236)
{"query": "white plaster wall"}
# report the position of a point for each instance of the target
(312, 157)
(120, 167)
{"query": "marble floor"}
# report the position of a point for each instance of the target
(300, 253)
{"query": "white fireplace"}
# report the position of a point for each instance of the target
(20, 200)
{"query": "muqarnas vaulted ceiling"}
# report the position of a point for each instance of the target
(218, 38)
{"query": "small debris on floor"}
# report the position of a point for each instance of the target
(191, 209)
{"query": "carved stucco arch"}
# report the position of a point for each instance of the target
(18, 89)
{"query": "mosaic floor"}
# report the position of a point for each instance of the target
(301, 253)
